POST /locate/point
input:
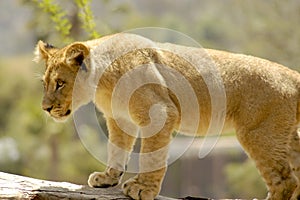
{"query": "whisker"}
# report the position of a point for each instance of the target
(45, 116)
(38, 76)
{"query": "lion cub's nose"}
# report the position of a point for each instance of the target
(47, 108)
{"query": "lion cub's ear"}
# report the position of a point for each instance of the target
(43, 51)
(76, 53)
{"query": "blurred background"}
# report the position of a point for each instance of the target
(31, 144)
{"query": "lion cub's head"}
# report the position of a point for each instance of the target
(62, 67)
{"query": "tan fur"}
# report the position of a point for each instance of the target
(262, 103)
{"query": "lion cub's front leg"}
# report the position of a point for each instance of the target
(109, 178)
(144, 186)
(156, 132)
(119, 147)
(153, 163)
(147, 184)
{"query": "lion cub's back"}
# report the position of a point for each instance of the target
(256, 87)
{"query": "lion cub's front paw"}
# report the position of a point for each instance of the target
(102, 180)
(140, 191)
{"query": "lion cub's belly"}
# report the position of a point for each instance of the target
(205, 128)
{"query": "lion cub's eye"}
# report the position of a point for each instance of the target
(59, 84)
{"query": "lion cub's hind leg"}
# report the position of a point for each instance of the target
(294, 157)
(269, 149)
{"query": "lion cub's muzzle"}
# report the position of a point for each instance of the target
(57, 113)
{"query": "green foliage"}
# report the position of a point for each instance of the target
(63, 24)
(87, 19)
(58, 16)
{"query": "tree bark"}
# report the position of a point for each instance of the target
(20, 187)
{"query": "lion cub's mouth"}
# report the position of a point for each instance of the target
(68, 112)
(61, 117)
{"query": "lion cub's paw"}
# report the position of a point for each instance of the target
(102, 180)
(139, 191)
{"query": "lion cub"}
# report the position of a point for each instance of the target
(262, 104)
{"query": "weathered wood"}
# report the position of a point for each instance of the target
(20, 187)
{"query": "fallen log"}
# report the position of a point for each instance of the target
(20, 187)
